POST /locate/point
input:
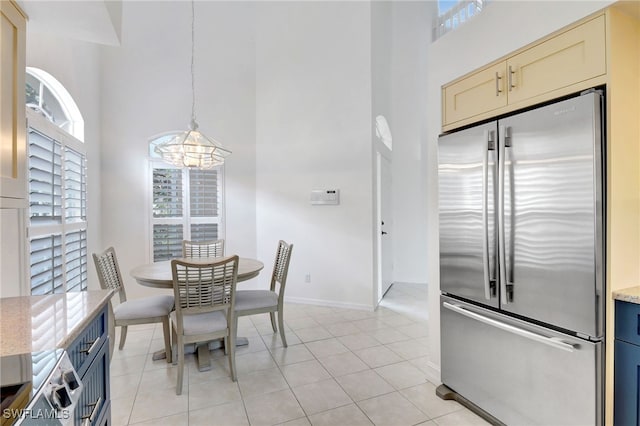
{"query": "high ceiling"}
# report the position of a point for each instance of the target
(95, 21)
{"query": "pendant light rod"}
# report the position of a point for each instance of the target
(191, 148)
(193, 54)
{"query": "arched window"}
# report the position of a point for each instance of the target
(57, 220)
(453, 13)
(49, 98)
(186, 204)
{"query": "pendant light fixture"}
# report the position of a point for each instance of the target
(191, 148)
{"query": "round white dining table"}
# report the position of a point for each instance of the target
(159, 275)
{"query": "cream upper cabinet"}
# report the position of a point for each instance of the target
(481, 92)
(12, 106)
(564, 60)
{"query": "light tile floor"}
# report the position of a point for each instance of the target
(342, 367)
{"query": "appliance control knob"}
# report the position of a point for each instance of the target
(70, 378)
(60, 397)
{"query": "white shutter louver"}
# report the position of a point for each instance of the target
(203, 190)
(75, 186)
(46, 265)
(167, 241)
(167, 193)
(76, 260)
(45, 179)
(204, 231)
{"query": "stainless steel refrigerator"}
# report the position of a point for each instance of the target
(522, 263)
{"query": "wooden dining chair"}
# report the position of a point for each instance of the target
(205, 297)
(147, 310)
(198, 249)
(252, 302)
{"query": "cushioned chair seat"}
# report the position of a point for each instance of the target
(255, 299)
(204, 323)
(152, 306)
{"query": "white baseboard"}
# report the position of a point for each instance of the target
(329, 303)
(433, 373)
(410, 283)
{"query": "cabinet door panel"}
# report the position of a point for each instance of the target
(12, 99)
(626, 383)
(477, 94)
(570, 58)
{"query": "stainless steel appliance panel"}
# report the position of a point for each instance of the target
(520, 373)
(467, 176)
(552, 236)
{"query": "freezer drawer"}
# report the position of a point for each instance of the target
(520, 373)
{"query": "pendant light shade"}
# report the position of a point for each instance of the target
(191, 148)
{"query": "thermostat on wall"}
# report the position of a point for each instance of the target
(325, 196)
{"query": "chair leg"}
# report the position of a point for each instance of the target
(232, 347)
(123, 336)
(180, 366)
(174, 347)
(281, 324)
(273, 321)
(167, 338)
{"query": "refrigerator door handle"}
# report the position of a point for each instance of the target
(549, 341)
(489, 137)
(502, 271)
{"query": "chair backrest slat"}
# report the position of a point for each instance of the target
(109, 272)
(201, 287)
(200, 249)
(281, 266)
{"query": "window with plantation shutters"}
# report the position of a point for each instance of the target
(57, 218)
(186, 205)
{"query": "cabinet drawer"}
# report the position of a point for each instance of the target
(477, 94)
(628, 322)
(567, 59)
(95, 399)
(84, 348)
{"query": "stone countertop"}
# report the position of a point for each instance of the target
(38, 323)
(631, 294)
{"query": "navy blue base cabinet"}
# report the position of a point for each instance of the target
(627, 364)
(89, 354)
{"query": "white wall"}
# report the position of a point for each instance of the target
(313, 131)
(146, 90)
(463, 50)
(411, 36)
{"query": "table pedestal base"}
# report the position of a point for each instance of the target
(204, 357)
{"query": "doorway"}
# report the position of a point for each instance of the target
(385, 226)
